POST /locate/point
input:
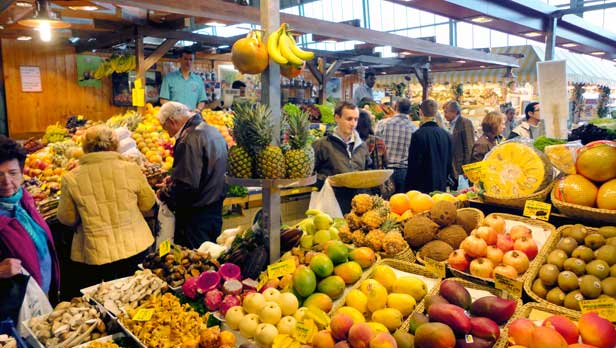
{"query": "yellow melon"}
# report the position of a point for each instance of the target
(576, 189)
(606, 197)
(597, 160)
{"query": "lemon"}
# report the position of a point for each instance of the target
(384, 275)
(357, 300)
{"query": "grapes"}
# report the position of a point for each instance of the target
(589, 133)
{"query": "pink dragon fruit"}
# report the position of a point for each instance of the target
(232, 287)
(213, 299)
(228, 302)
(208, 280)
(189, 288)
(230, 271)
(250, 283)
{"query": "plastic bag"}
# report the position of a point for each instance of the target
(166, 221)
(563, 156)
(35, 303)
(12, 292)
(325, 201)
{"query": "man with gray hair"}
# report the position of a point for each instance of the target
(462, 137)
(195, 190)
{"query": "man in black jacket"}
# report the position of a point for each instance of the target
(430, 153)
(195, 191)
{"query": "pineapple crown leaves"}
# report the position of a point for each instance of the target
(253, 127)
(297, 124)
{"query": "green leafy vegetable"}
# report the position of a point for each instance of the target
(543, 141)
(327, 113)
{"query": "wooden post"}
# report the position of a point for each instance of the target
(139, 53)
(322, 61)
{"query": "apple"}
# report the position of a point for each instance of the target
(288, 303)
(265, 334)
(248, 325)
(254, 302)
(286, 325)
(527, 245)
(301, 312)
(234, 316)
(270, 313)
(474, 246)
(504, 242)
(496, 222)
(494, 254)
(506, 270)
(457, 260)
(271, 294)
(517, 260)
(519, 231)
(486, 233)
(481, 267)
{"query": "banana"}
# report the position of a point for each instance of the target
(303, 55)
(272, 47)
(284, 45)
(311, 212)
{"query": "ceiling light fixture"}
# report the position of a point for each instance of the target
(23, 4)
(533, 34)
(461, 61)
(570, 44)
(597, 53)
(406, 53)
(215, 24)
(83, 8)
(481, 19)
(482, 66)
(24, 38)
(44, 20)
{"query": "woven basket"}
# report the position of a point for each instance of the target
(362, 179)
(406, 255)
(586, 213)
(518, 202)
(543, 251)
(533, 271)
(420, 308)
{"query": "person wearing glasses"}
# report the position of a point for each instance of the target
(532, 127)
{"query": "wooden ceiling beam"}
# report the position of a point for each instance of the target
(158, 53)
(91, 15)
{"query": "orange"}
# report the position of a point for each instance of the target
(412, 194)
(606, 197)
(576, 189)
(421, 202)
(399, 203)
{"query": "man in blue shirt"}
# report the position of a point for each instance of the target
(184, 86)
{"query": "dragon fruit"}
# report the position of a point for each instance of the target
(213, 299)
(230, 271)
(232, 287)
(208, 281)
(250, 283)
(189, 288)
(228, 302)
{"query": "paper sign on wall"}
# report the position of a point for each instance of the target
(553, 99)
(30, 78)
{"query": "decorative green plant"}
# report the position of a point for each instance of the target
(604, 98)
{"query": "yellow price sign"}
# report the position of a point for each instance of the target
(177, 253)
(512, 286)
(537, 210)
(262, 281)
(281, 268)
(164, 248)
(538, 315)
(143, 314)
(433, 266)
(475, 171)
(604, 307)
(303, 331)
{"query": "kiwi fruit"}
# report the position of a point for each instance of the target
(443, 213)
(606, 253)
(556, 296)
(613, 271)
(557, 257)
(548, 274)
(584, 253)
(598, 268)
(576, 266)
(607, 231)
(452, 235)
(567, 244)
(572, 300)
(567, 281)
(594, 241)
(611, 241)
(608, 285)
(590, 286)
(539, 289)
(577, 232)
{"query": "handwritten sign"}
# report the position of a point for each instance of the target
(512, 286)
(143, 314)
(281, 268)
(475, 171)
(604, 307)
(164, 248)
(537, 210)
(303, 331)
(433, 266)
(30, 79)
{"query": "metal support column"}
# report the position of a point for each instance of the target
(550, 38)
(269, 13)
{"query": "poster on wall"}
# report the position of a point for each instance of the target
(552, 77)
(30, 78)
(86, 66)
(334, 88)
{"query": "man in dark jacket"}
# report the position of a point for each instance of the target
(462, 137)
(195, 190)
(342, 151)
(430, 153)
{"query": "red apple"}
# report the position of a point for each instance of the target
(504, 242)
(506, 270)
(486, 233)
(474, 246)
(496, 222)
(457, 259)
(518, 231)
(517, 260)
(494, 254)
(482, 267)
(527, 245)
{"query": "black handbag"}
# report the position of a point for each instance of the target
(12, 293)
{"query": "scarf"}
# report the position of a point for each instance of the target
(37, 233)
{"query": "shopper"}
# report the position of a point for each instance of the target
(532, 127)
(241, 86)
(363, 93)
(184, 86)
(376, 145)
(492, 125)
(195, 190)
(430, 153)
(342, 151)
(510, 122)
(104, 199)
(463, 137)
(396, 132)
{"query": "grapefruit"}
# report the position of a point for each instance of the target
(412, 194)
(606, 197)
(399, 203)
(597, 160)
(421, 202)
(576, 189)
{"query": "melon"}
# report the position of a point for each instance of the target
(576, 189)
(606, 197)
(597, 160)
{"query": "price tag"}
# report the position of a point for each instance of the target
(281, 268)
(475, 171)
(604, 307)
(469, 338)
(143, 314)
(262, 280)
(433, 266)
(303, 331)
(512, 286)
(537, 210)
(177, 253)
(164, 248)
(537, 315)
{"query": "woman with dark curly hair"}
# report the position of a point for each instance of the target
(25, 238)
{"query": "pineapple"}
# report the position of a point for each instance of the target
(362, 203)
(353, 220)
(270, 163)
(300, 158)
(393, 243)
(358, 238)
(239, 163)
(269, 158)
(344, 232)
(374, 218)
(374, 239)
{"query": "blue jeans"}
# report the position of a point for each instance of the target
(399, 178)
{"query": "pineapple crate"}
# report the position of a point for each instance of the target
(476, 291)
(543, 233)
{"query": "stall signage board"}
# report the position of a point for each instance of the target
(512, 286)
(537, 210)
(435, 267)
(475, 171)
(604, 307)
(553, 98)
(30, 78)
(281, 268)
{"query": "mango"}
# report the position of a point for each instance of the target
(321, 265)
(404, 339)
(304, 281)
(333, 286)
(519, 331)
(403, 302)
(383, 340)
(455, 293)
(323, 339)
(478, 342)
(390, 317)
(378, 327)
(564, 326)
(543, 337)
(384, 275)
(416, 320)
(364, 256)
(434, 335)
(340, 325)
(358, 300)
(375, 293)
(353, 313)
(360, 335)
(495, 308)
(319, 300)
(484, 328)
(322, 237)
(451, 315)
(434, 299)
(337, 251)
(412, 286)
(597, 331)
(349, 271)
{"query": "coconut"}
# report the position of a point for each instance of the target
(452, 235)
(443, 213)
(419, 230)
(436, 250)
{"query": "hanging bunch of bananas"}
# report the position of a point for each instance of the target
(283, 50)
(117, 64)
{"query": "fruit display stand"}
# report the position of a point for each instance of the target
(271, 191)
(584, 213)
